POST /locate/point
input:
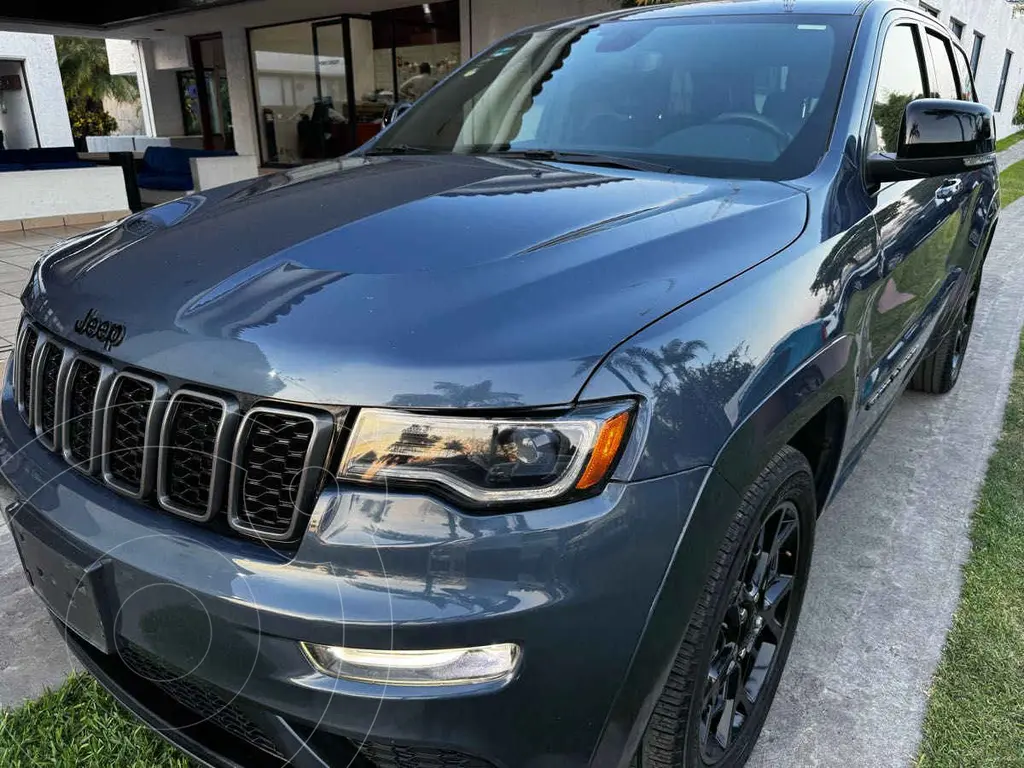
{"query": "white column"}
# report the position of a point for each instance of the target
(158, 91)
(244, 120)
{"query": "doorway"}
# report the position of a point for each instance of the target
(205, 105)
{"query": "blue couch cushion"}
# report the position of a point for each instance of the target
(12, 167)
(52, 155)
(15, 157)
(54, 166)
(176, 181)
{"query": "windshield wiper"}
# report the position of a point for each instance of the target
(401, 149)
(587, 158)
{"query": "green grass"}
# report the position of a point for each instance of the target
(1008, 141)
(80, 726)
(1011, 183)
(976, 709)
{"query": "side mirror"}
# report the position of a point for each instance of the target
(938, 137)
(395, 111)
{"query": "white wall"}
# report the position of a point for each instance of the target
(121, 57)
(243, 111)
(158, 90)
(64, 192)
(993, 19)
(42, 76)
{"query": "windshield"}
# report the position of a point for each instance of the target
(730, 96)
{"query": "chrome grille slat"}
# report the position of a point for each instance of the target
(192, 453)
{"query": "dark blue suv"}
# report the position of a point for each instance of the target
(500, 444)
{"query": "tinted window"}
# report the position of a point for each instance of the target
(900, 81)
(743, 96)
(944, 86)
(957, 28)
(963, 71)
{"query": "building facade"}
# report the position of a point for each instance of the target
(32, 108)
(294, 81)
(992, 34)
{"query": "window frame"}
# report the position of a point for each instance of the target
(947, 45)
(931, 10)
(868, 118)
(1003, 77)
(963, 28)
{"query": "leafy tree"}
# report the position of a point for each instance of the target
(1018, 116)
(889, 116)
(85, 73)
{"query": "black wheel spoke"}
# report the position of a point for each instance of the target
(752, 629)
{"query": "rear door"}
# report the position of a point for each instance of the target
(917, 222)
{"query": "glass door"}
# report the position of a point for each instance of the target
(326, 130)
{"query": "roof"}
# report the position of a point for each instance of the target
(691, 8)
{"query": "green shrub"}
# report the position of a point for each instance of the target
(90, 122)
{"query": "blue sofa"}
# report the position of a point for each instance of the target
(44, 158)
(167, 168)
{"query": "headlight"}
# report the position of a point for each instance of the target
(488, 460)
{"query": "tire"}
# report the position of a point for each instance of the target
(938, 373)
(675, 736)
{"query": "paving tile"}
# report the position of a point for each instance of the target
(6, 247)
(60, 232)
(25, 260)
(84, 220)
(9, 301)
(42, 222)
(30, 239)
(9, 312)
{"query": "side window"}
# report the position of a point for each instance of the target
(944, 86)
(963, 69)
(900, 81)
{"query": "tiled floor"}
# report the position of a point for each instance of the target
(18, 252)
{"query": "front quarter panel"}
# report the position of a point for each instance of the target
(755, 357)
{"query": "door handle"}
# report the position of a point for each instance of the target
(948, 189)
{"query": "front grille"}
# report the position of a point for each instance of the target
(181, 453)
(126, 447)
(274, 459)
(396, 756)
(83, 384)
(197, 696)
(191, 444)
(25, 356)
(48, 374)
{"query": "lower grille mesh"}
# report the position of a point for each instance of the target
(395, 756)
(83, 384)
(273, 461)
(196, 696)
(129, 409)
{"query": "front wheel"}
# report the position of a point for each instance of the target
(938, 373)
(727, 670)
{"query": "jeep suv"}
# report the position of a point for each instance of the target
(501, 442)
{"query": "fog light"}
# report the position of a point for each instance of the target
(449, 666)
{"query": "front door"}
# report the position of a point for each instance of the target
(918, 223)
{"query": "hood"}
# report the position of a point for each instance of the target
(427, 281)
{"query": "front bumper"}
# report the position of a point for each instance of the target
(573, 585)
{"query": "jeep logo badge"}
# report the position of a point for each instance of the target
(107, 333)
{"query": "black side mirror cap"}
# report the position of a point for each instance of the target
(937, 137)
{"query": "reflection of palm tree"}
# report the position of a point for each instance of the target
(459, 395)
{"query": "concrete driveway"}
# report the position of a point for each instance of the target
(886, 574)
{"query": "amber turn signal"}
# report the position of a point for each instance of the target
(605, 450)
